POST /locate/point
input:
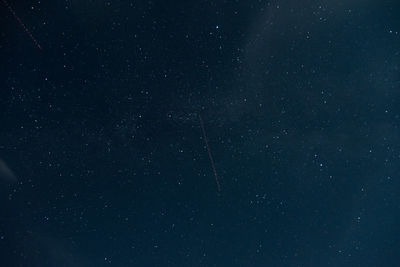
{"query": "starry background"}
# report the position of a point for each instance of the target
(101, 130)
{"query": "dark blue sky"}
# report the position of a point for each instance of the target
(103, 161)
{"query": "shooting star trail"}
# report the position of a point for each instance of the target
(209, 154)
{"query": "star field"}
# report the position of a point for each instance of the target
(199, 133)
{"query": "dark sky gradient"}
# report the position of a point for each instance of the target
(103, 157)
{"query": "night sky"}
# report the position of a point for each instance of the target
(103, 157)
